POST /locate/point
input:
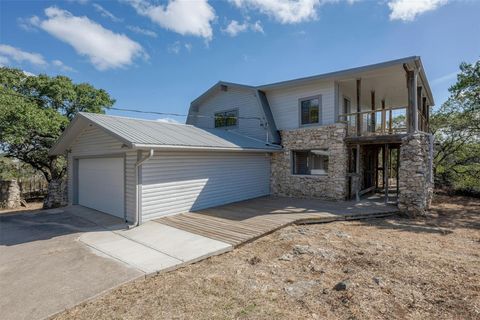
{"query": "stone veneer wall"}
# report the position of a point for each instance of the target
(330, 186)
(415, 175)
(10, 195)
(57, 195)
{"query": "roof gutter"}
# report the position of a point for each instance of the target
(138, 207)
(194, 148)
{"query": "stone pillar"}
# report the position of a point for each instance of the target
(415, 174)
(57, 194)
(10, 195)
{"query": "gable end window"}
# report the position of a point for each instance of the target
(226, 118)
(310, 162)
(310, 110)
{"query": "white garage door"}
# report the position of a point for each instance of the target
(101, 185)
(175, 182)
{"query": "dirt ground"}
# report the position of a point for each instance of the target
(31, 207)
(392, 268)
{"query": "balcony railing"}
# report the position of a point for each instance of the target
(376, 122)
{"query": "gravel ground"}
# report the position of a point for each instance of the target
(32, 207)
(372, 269)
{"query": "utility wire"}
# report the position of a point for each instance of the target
(141, 111)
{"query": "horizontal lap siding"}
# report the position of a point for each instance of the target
(235, 98)
(284, 103)
(174, 182)
(94, 141)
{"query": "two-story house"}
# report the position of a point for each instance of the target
(338, 136)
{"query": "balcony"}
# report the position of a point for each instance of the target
(390, 121)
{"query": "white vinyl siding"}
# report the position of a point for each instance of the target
(284, 103)
(94, 141)
(234, 98)
(175, 182)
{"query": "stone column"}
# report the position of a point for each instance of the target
(10, 195)
(415, 181)
(57, 194)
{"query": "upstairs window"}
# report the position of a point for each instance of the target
(226, 118)
(310, 110)
(310, 162)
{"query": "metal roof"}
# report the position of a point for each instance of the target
(141, 133)
(329, 75)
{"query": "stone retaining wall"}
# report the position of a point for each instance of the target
(330, 186)
(415, 175)
(10, 196)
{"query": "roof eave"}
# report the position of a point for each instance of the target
(340, 73)
(199, 148)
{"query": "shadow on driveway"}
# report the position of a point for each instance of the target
(27, 227)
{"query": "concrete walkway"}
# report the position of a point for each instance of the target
(153, 247)
(56, 259)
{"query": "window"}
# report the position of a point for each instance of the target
(310, 110)
(226, 118)
(311, 162)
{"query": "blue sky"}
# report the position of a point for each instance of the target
(160, 55)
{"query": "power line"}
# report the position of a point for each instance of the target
(141, 111)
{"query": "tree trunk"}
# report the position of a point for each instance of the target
(57, 194)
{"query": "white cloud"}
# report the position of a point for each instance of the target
(105, 13)
(284, 11)
(105, 48)
(145, 32)
(188, 46)
(9, 52)
(62, 66)
(4, 61)
(445, 78)
(408, 10)
(181, 16)
(167, 120)
(174, 47)
(235, 27)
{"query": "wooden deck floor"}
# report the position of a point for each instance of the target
(244, 221)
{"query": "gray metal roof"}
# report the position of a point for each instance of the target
(141, 133)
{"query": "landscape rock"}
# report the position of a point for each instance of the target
(302, 249)
(342, 285)
(286, 257)
(300, 288)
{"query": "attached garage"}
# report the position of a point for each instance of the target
(140, 170)
(100, 184)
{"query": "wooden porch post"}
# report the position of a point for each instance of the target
(359, 109)
(426, 113)
(385, 171)
(374, 120)
(357, 171)
(419, 107)
(384, 116)
(412, 114)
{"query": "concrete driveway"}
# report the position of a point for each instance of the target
(55, 259)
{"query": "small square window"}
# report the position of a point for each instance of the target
(226, 118)
(310, 110)
(311, 162)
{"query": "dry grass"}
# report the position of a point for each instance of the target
(398, 268)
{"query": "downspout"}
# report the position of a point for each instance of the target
(137, 170)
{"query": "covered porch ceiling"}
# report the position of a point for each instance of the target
(388, 84)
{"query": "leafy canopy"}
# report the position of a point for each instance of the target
(456, 126)
(34, 111)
